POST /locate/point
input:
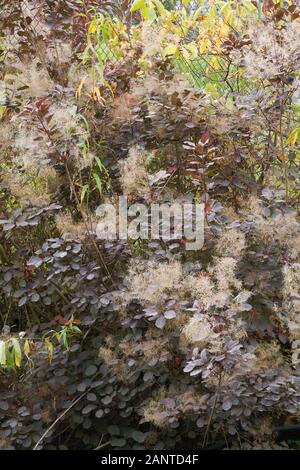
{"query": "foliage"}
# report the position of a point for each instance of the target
(137, 344)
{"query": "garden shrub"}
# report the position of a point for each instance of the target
(142, 344)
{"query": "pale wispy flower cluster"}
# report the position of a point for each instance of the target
(252, 207)
(33, 187)
(291, 303)
(267, 356)
(149, 348)
(6, 140)
(289, 312)
(224, 272)
(216, 288)
(70, 229)
(291, 290)
(151, 39)
(154, 40)
(228, 116)
(122, 110)
(231, 243)
(35, 77)
(151, 85)
(116, 355)
(292, 278)
(198, 331)
(134, 175)
(150, 281)
(283, 229)
(202, 288)
(166, 405)
(60, 53)
(67, 120)
(273, 52)
(31, 145)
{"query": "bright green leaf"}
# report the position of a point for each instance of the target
(137, 4)
(98, 182)
(84, 191)
(160, 8)
(2, 353)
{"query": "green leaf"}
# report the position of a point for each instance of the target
(148, 13)
(259, 8)
(101, 167)
(137, 4)
(64, 338)
(2, 353)
(295, 134)
(17, 351)
(224, 9)
(193, 49)
(84, 191)
(160, 8)
(76, 330)
(198, 13)
(98, 182)
(9, 357)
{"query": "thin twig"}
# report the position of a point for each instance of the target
(58, 419)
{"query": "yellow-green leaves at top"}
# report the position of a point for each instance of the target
(160, 8)
(148, 7)
(198, 13)
(137, 4)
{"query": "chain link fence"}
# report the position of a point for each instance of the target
(26, 23)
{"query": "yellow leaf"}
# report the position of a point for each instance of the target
(214, 63)
(27, 348)
(49, 347)
(93, 27)
(17, 351)
(160, 8)
(171, 49)
(185, 53)
(137, 4)
(193, 49)
(97, 95)
(79, 89)
(212, 12)
(226, 10)
(8, 77)
(204, 45)
(223, 29)
(198, 12)
(294, 136)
